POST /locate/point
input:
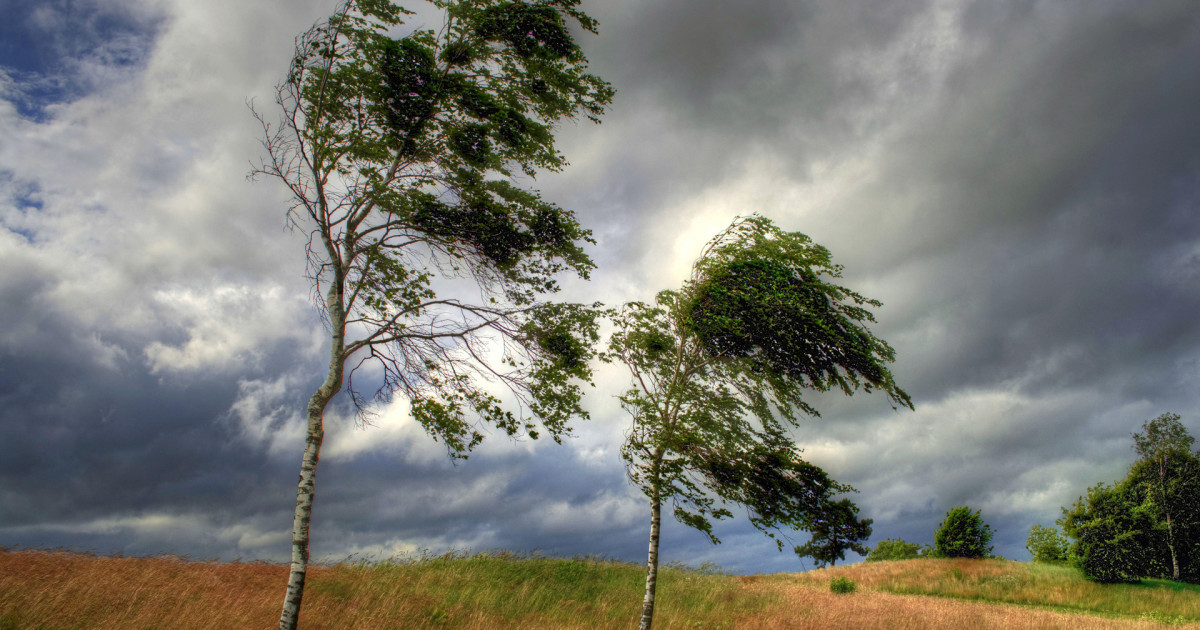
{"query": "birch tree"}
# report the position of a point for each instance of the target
(718, 370)
(404, 157)
(1168, 475)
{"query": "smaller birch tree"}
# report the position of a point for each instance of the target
(718, 370)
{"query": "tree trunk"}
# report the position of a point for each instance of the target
(308, 467)
(652, 561)
(1162, 484)
(1171, 546)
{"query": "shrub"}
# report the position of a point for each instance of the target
(842, 585)
(963, 535)
(894, 549)
(1045, 544)
(1110, 539)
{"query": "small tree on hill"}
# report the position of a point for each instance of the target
(1045, 544)
(963, 534)
(835, 532)
(719, 368)
(896, 549)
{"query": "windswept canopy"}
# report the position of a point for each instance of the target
(405, 156)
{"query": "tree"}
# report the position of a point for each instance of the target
(1045, 544)
(1110, 540)
(400, 155)
(896, 549)
(963, 534)
(718, 369)
(835, 532)
(1147, 524)
(1167, 471)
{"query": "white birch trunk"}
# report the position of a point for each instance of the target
(651, 562)
(1171, 546)
(312, 452)
(1162, 484)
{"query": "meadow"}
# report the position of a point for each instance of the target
(61, 590)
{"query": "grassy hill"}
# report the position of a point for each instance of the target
(57, 590)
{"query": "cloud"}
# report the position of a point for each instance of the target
(1018, 183)
(230, 325)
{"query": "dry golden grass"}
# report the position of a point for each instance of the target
(61, 590)
(1019, 583)
(56, 590)
(809, 607)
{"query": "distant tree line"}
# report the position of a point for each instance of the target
(961, 534)
(1146, 525)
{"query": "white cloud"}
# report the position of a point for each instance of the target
(229, 327)
(606, 512)
(268, 417)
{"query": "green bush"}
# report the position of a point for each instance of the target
(896, 549)
(842, 585)
(963, 535)
(1045, 544)
(1110, 535)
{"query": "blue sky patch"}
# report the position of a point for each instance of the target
(46, 48)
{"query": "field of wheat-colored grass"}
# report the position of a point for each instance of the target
(1045, 585)
(59, 590)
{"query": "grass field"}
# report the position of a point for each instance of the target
(1050, 586)
(57, 590)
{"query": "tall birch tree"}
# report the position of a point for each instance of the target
(1168, 476)
(404, 157)
(718, 370)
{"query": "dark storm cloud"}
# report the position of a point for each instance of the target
(83, 436)
(1031, 225)
(1018, 182)
(701, 85)
(1063, 193)
(751, 70)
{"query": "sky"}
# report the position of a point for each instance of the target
(1017, 181)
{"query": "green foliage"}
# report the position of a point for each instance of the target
(963, 534)
(1045, 544)
(1166, 478)
(402, 155)
(842, 585)
(1110, 541)
(710, 417)
(762, 298)
(1148, 524)
(713, 397)
(836, 529)
(1167, 494)
(1164, 437)
(896, 549)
